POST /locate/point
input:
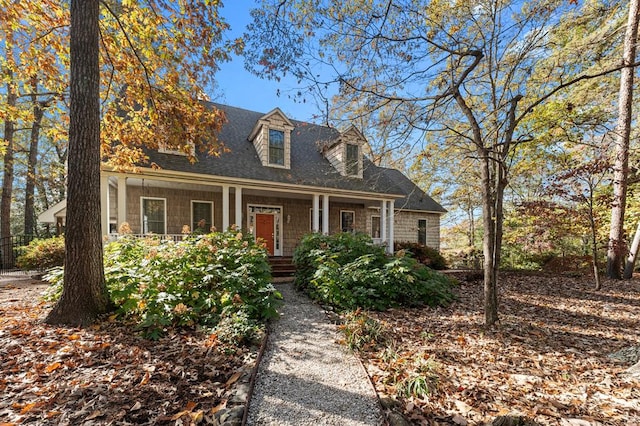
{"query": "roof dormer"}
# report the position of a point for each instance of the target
(271, 136)
(345, 154)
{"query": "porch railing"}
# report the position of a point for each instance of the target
(161, 237)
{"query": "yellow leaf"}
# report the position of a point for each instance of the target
(28, 407)
(219, 407)
(197, 417)
(52, 367)
(234, 378)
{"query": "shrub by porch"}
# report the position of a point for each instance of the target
(348, 271)
(219, 280)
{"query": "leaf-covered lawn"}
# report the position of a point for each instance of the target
(106, 374)
(547, 360)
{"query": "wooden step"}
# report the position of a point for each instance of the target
(282, 266)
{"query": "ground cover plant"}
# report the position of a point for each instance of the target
(560, 355)
(221, 280)
(348, 271)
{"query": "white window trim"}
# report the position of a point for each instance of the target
(358, 160)
(311, 219)
(371, 227)
(354, 219)
(203, 202)
(142, 213)
(284, 147)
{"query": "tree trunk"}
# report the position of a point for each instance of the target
(29, 196)
(489, 243)
(7, 180)
(84, 294)
(633, 254)
(616, 245)
(594, 244)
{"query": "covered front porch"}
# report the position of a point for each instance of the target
(172, 204)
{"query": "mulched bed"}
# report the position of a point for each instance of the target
(548, 359)
(106, 374)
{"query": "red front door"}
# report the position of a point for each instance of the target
(264, 229)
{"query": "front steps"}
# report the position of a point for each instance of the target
(282, 266)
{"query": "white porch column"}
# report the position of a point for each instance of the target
(325, 214)
(225, 207)
(238, 221)
(315, 222)
(391, 224)
(122, 201)
(104, 204)
(383, 221)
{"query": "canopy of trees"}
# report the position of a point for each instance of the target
(490, 83)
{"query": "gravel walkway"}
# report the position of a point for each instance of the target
(305, 377)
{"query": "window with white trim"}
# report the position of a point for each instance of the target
(347, 220)
(154, 215)
(375, 226)
(311, 219)
(352, 163)
(276, 147)
(201, 216)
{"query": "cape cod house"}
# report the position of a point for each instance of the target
(280, 180)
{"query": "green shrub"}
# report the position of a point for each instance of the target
(424, 254)
(205, 280)
(42, 254)
(343, 248)
(349, 272)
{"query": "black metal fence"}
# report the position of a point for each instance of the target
(10, 250)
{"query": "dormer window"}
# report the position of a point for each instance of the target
(352, 160)
(345, 153)
(271, 136)
(276, 147)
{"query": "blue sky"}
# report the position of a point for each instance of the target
(238, 87)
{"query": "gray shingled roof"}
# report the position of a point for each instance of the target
(415, 198)
(308, 165)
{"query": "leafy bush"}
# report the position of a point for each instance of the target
(219, 279)
(424, 254)
(42, 254)
(349, 272)
(343, 248)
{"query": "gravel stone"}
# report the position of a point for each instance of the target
(305, 377)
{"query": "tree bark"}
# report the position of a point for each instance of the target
(594, 242)
(633, 254)
(616, 246)
(7, 180)
(30, 189)
(84, 294)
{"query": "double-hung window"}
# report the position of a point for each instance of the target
(201, 216)
(154, 217)
(352, 163)
(276, 147)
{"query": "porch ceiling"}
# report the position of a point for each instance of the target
(216, 188)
